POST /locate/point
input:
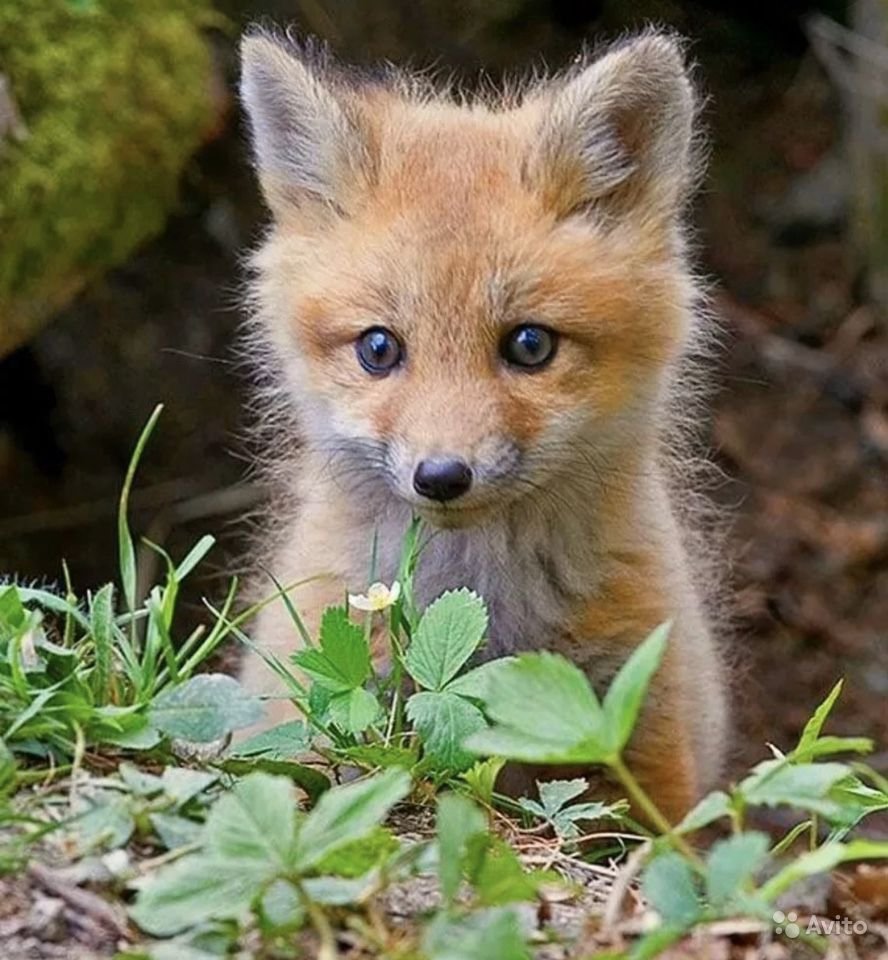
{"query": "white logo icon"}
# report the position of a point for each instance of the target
(787, 924)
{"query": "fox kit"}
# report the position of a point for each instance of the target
(476, 309)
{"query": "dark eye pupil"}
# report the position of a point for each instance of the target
(530, 341)
(378, 350)
(529, 346)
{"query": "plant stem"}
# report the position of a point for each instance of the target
(647, 806)
(327, 949)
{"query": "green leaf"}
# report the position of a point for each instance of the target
(712, 807)
(545, 695)
(517, 745)
(182, 785)
(13, 616)
(379, 755)
(8, 768)
(343, 661)
(139, 736)
(668, 885)
(282, 742)
(359, 857)
(731, 865)
(108, 824)
(312, 781)
(443, 721)
(450, 631)
(811, 733)
(482, 935)
(822, 860)
(175, 831)
(555, 795)
(855, 801)
(204, 708)
(168, 949)
(790, 837)
(805, 785)
(253, 824)
(499, 878)
(141, 783)
(126, 550)
(194, 557)
(624, 697)
(481, 777)
(354, 710)
(347, 813)
(281, 909)
(459, 820)
(340, 891)
(546, 712)
(102, 630)
(193, 890)
(476, 683)
(829, 746)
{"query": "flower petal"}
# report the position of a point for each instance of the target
(360, 601)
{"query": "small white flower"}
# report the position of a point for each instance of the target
(378, 597)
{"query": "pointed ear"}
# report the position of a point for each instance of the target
(619, 134)
(308, 142)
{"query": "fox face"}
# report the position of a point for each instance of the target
(473, 302)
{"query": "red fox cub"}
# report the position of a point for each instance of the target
(476, 310)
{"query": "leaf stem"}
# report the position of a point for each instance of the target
(327, 948)
(655, 817)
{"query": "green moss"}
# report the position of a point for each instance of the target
(115, 96)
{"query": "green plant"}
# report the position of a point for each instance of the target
(531, 704)
(75, 673)
(246, 858)
(258, 852)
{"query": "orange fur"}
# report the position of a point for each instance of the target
(449, 223)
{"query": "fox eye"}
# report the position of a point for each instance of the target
(528, 346)
(379, 351)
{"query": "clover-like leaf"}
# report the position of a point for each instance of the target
(347, 813)
(444, 721)
(342, 662)
(669, 886)
(204, 708)
(450, 631)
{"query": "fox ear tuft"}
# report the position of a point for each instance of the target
(307, 141)
(619, 133)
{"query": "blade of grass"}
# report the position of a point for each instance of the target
(55, 603)
(126, 549)
(293, 612)
(102, 625)
(194, 557)
(71, 599)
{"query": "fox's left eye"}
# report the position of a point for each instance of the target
(528, 346)
(378, 350)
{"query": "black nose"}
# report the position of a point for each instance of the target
(442, 478)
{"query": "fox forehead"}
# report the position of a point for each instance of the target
(468, 261)
(450, 156)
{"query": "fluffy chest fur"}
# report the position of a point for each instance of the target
(534, 570)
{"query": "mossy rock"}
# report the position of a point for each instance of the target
(114, 96)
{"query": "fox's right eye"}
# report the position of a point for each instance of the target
(379, 350)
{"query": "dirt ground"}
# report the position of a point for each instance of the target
(800, 406)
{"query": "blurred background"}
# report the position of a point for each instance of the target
(126, 203)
